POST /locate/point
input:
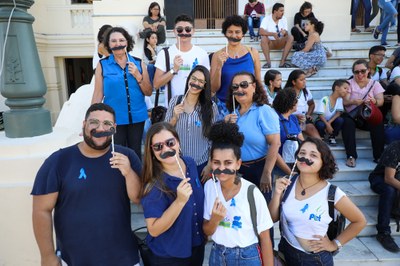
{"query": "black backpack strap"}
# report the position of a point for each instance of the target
(289, 188)
(331, 201)
(253, 210)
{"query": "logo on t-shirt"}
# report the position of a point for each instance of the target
(82, 174)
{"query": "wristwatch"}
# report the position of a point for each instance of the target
(172, 71)
(338, 244)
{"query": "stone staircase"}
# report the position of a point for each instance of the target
(363, 250)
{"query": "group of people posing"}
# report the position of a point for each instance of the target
(225, 129)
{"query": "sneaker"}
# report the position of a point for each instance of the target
(387, 242)
(332, 141)
(386, 44)
(376, 33)
(252, 39)
(267, 65)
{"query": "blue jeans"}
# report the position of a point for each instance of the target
(295, 257)
(387, 194)
(253, 23)
(337, 125)
(389, 11)
(367, 12)
(247, 256)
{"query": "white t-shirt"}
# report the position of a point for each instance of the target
(324, 107)
(395, 74)
(193, 57)
(308, 217)
(302, 104)
(378, 77)
(269, 25)
(236, 229)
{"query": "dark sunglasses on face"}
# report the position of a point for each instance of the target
(160, 145)
(362, 71)
(244, 85)
(180, 29)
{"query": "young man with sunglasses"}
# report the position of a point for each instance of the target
(274, 35)
(89, 188)
(183, 57)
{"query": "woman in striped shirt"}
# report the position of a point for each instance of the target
(192, 115)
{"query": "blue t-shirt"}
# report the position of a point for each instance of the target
(292, 126)
(229, 69)
(129, 105)
(256, 124)
(187, 230)
(92, 216)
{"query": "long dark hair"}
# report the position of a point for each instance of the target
(146, 42)
(153, 4)
(293, 76)
(318, 25)
(152, 168)
(329, 166)
(259, 97)
(270, 75)
(206, 110)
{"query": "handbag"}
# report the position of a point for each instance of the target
(144, 250)
(158, 112)
(366, 113)
(279, 259)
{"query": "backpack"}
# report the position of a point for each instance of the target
(338, 223)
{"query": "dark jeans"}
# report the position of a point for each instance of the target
(337, 125)
(253, 173)
(195, 260)
(367, 12)
(221, 255)
(298, 37)
(295, 257)
(130, 136)
(349, 137)
(253, 23)
(387, 194)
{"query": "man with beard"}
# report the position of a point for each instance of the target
(182, 57)
(88, 185)
(275, 35)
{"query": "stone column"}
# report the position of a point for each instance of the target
(22, 80)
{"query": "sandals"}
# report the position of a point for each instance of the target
(351, 162)
(355, 30)
(288, 65)
(311, 72)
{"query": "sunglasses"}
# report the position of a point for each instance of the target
(160, 145)
(244, 85)
(180, 29)
(362, 71)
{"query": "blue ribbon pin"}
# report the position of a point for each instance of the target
(82, 174)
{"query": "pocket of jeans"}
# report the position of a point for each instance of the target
(249, 253)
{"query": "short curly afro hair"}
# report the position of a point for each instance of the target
(225, 135)
(285, 100)
(236, 21)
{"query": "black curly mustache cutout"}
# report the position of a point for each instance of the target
(118, 47)
(305, 160)
(225, 171)
(101, 134)
(196, 86)
(233, 39)
(167, 154)
(184, 35)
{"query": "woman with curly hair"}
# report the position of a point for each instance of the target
(301, 205)
(122, 81)
(192, 115)
(259, 123)
(173, 199)
(232, 58)
(227, 215)
(285, 104)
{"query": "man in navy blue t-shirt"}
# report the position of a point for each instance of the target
(89, 187)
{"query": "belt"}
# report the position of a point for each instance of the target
(248, 163)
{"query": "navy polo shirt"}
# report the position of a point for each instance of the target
(292, 126)
(187, 230)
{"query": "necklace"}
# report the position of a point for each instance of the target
(303, 192)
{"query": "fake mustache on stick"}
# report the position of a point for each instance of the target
(305, 160)
(167, 154)
(196, 86)
(184, 35)
(118, 47)
(233, 39)
(238, 93)
(225, 171)
(101, 134)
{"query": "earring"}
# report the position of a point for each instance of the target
(237, 178)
